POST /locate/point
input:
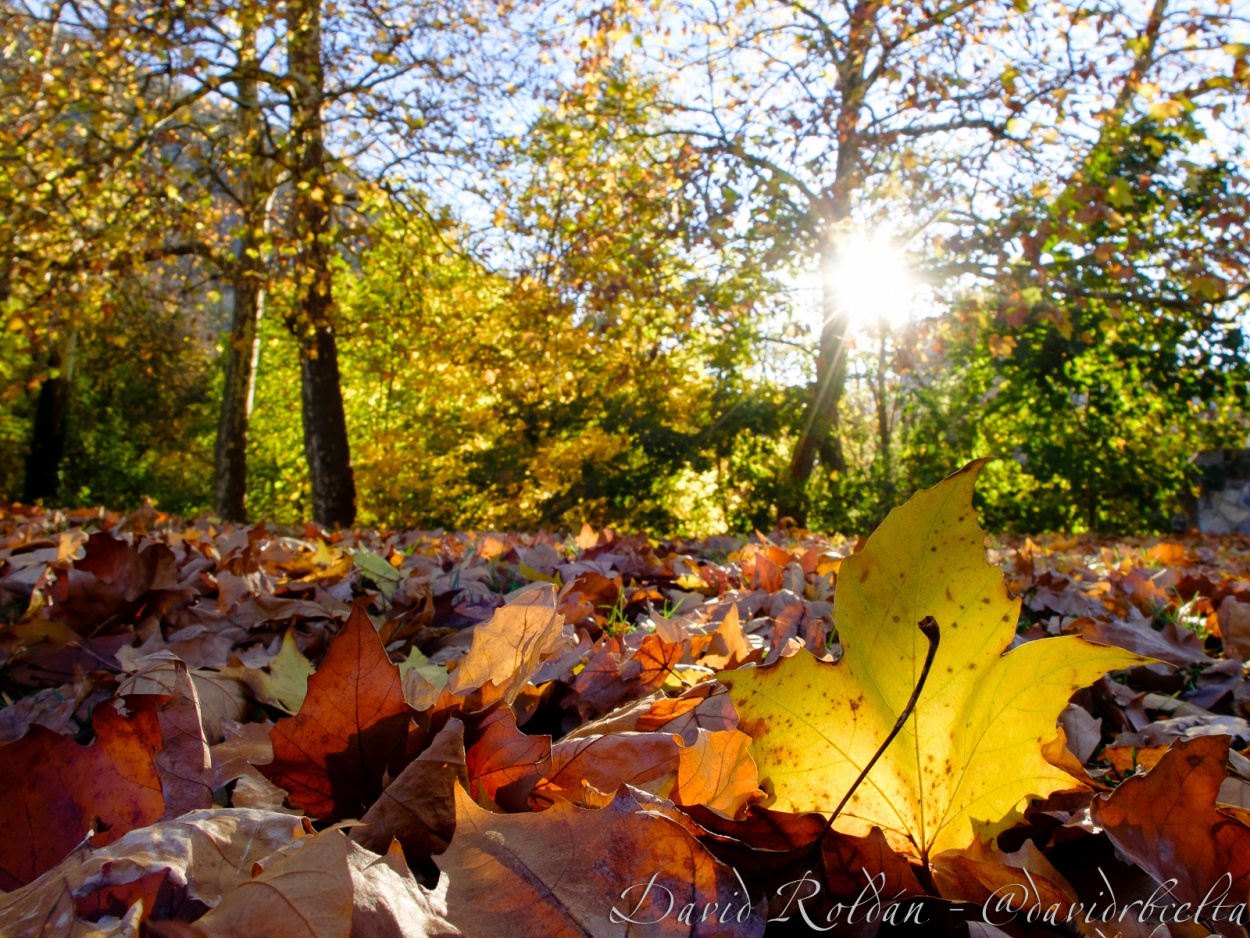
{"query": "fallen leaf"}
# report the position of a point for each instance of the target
(1023, 881)
(183, 763)
(219, 695)
(306, 892)
(530, 872)
(205, 853)
(717, 772)
(504, 764)
(511, 646)
(283, 683)
(970, 757)
(1167, 823)
(645, 760)
(1234, 619)
(1084, 733)
(705, 706)
(418, 808)
(423, 682)
(331, 755)
(59, 790)
(1177, 646)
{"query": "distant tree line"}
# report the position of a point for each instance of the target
(425, 263)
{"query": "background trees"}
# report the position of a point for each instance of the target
(537, 265)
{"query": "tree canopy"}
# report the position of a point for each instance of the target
(673, 266)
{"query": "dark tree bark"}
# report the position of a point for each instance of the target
(312, 320)
(325, 431)
(230, 489)
(47, 439)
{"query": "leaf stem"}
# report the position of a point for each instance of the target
(928, 625)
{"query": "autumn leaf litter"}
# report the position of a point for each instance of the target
(397, 732)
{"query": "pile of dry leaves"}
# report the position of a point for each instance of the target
(215, 730)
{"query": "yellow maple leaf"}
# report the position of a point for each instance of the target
(970, 757)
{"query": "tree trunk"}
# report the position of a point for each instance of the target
(312, 319)
(325, 431)
(230, 490)
(822, 410)
(230, 500)
(819, 434)
(47, 440)
(884, 427)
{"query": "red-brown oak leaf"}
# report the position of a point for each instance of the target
(331, 755)
(57, 790)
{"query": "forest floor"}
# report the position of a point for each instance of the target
(405, 732)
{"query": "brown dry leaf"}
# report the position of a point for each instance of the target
(1126, 760)
(766, 575)
(53, 707)
(220, 695)
(1167, 822)
(526, 875)
(246, 745)
(1177, 646)
(1082, 731)
(717, 772)
(621, 720)
(205, 853)
(60, 790)
(850, 861)
(331, 756)
(183, 763)
(645, 760)
(418, 808)
(650, 665)
(389, 903)
(305, 893)
(985, 875)
(1234, 618)
(705, 706)
(508, 649)
(323, 886)
(423, 682)
(729, 643)
(504, 764)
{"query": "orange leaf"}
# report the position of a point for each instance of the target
(717, 772)
(354, 721)
(644, 760)
(504, 763)
(58, 790)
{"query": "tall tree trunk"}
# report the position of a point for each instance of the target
(230, 501)
(47, 439)
(819, 435)
(230, 490)
(325, 425)
(885, 428)
(822, 411)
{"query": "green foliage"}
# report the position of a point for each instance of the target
(613, 346)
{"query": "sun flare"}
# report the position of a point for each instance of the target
(872, 282)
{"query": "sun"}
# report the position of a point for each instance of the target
(872, 282)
